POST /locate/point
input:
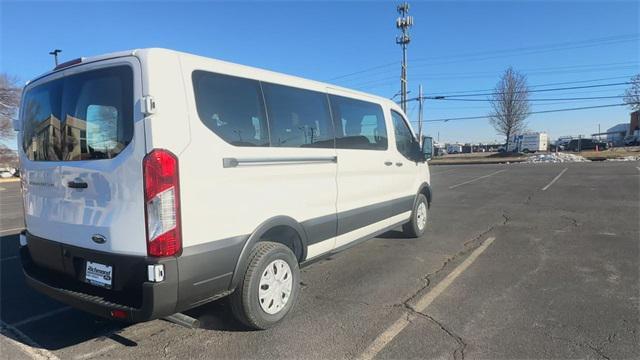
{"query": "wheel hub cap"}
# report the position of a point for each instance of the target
(275, 286)
(421, 216)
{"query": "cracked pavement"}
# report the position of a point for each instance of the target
(560, 281)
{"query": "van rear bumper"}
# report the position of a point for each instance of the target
(153, 300)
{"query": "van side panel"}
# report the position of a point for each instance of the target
(222, 201)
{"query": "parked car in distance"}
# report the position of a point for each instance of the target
(586, 144)
(9, 172)
(185, 179)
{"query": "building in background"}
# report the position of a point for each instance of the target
(616, 134)
(634, 123)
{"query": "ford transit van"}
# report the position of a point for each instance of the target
(156, 181)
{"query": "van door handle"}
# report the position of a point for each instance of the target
(398, 164)
(77, 185)
(388, 163)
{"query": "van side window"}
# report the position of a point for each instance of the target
(359, 124)
(231, 107)
(404, 139)
(297, 117)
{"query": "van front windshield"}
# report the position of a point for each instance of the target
(79, 117)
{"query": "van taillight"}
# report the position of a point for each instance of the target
(162, 203)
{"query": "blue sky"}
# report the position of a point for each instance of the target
(456, 46)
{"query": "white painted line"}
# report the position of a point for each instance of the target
(25, 343)
(476, 179)
(10, 258)
(555, 179)
(41, 316)
(392, 331)
(383, 339)
(9, 230)
(428, 298)
(103, 350)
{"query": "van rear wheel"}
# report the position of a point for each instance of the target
(418, 224)
(269, 288)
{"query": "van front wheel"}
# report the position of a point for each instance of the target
(269, 288)
(418, 224)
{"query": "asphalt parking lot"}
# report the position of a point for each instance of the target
(519, 261)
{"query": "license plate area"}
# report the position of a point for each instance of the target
(98, 274)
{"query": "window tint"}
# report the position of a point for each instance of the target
(231, 107)
(358, 124)
(80, 117)
(297, 117)
(405, 142)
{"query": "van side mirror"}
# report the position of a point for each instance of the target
(427, 147)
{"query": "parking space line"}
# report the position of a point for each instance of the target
(476, 179)
(392, 331)
(25, 343)
(41, 316)
(555, 179)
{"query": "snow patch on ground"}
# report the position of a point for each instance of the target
(627, 158)
(555, 158)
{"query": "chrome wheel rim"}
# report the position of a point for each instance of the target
(275, 286)
(421, 216)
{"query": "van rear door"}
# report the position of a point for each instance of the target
(82, 146)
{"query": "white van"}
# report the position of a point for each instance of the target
(156, 181)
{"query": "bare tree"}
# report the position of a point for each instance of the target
(8, 157)
(9, 102)
(632, 94)
(510, 104)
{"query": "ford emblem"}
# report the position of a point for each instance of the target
(98, 239)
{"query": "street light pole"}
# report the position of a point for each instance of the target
(55, 55)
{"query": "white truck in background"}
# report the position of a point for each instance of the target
(529, 142)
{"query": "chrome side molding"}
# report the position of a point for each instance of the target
(235, 162)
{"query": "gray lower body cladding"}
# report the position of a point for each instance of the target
(200, 274)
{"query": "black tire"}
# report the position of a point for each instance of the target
(245, 302)
(411, 229)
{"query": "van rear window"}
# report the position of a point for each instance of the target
(84, 116)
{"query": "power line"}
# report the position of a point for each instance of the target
(437, 97)
(527, 50)
(485, 75)
(539, 85)
(546, 99)
(532, 112)
(448, 108)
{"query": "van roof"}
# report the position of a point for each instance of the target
(147, 52)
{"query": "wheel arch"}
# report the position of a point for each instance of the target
(271, 227)
(425, 189)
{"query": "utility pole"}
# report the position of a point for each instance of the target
(404, 22)
(420, 114)
(55, 55)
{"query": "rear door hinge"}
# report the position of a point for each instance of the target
(148, 105)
